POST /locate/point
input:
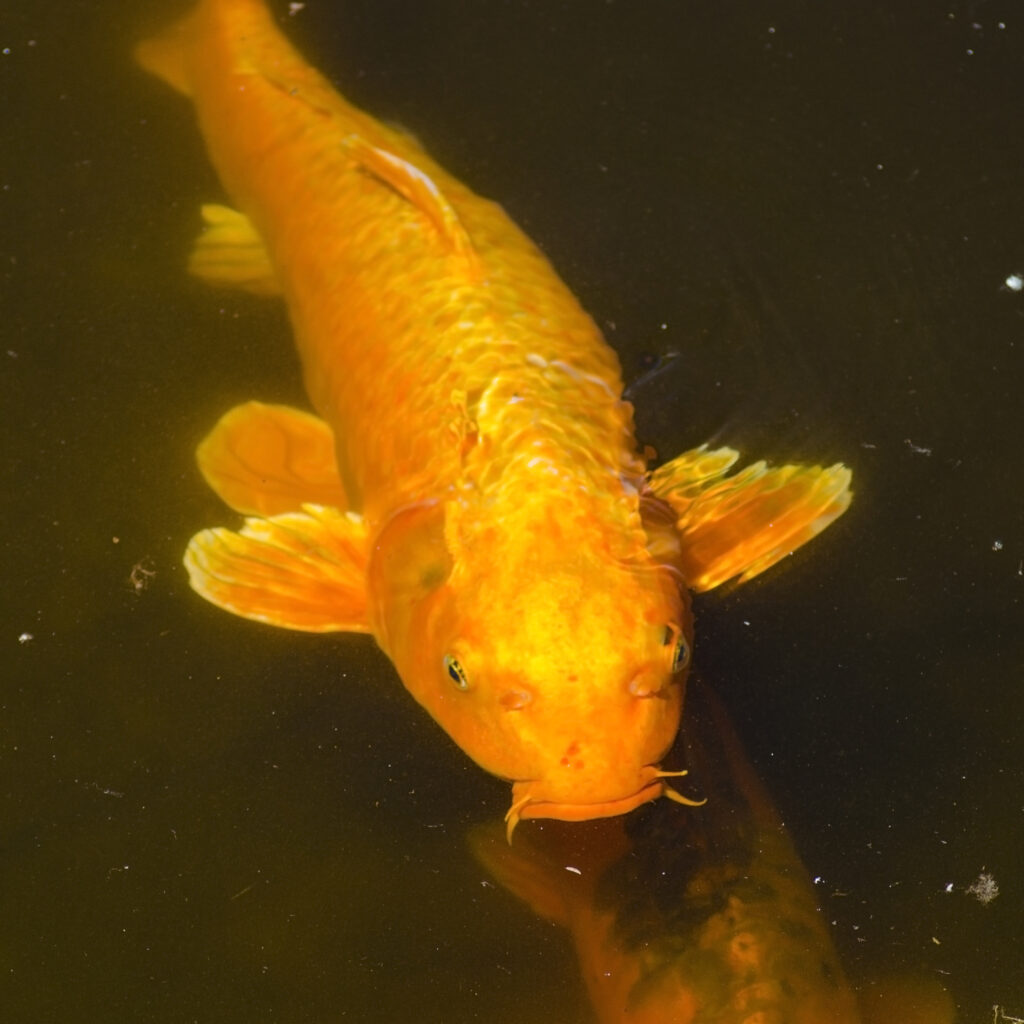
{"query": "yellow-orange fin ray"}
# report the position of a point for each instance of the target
(266, 459)
(737, 526)
(230, 253)
(300, 570)
(418, 188)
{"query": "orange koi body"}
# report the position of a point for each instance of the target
(470, 491)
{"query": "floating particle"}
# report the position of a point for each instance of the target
(984, 888)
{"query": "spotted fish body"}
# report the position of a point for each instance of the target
(470, 490)
(705, 918)
(708, 917)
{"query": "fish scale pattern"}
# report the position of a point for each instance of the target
(438, 348)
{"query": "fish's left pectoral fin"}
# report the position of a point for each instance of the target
(230, 253)
(300, 570)
(267, 459)
(735, 527)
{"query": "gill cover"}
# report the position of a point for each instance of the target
(409, 564)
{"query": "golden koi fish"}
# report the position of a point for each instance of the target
(471, 491)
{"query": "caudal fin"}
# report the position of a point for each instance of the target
(166, 54)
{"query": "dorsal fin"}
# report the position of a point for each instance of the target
(418, 188)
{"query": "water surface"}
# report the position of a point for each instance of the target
(818, 206)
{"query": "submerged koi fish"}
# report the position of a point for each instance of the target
(706, 918)
(697, 919)
(471, 492)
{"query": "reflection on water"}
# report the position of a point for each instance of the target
(817, 205)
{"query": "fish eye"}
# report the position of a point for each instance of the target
(680, 648)
(456, 672)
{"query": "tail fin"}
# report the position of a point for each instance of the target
(165, 54)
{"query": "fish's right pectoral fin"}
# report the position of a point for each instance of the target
(230, 253)
(735, 527)
(266, 459)
(300, 570)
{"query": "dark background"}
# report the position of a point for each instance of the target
(816, 205)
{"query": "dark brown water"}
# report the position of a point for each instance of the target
(818, 205)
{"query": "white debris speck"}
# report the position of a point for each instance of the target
(997, 545)
(294, 9)
(141, 575)
(984, 888)
(949, 887)
(575, 871)
(26, 638)
(1015, 282)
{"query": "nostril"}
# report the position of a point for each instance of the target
(515, 700)
(645, 685)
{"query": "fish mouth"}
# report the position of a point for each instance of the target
(526, 805)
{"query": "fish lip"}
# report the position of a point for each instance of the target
(587, 811)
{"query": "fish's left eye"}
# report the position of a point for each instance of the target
(456, 672)
(680, 648)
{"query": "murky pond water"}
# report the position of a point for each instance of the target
(819, 207)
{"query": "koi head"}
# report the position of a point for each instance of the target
(563, 674)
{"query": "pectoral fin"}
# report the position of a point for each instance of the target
(266, 459)
(738, 526)
(301, 570)
(525, 872)
(229, 252)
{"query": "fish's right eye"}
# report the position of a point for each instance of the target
(456, 672)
